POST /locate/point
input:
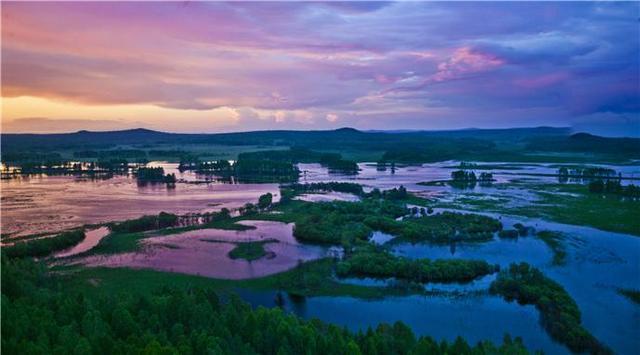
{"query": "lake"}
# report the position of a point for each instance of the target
(597, 264)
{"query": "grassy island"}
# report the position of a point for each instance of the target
(379, 264)
(250, 250)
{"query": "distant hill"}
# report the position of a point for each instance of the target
(585, 142)
(400, 145)
(276, 137)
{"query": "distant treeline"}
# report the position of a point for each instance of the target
(587, 172)
(615, 188)
(35, 163)
(102, 154)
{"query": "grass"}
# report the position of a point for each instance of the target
(250, 250)
(609, 213)
(633, 295)
(554, 240)
(314, 278)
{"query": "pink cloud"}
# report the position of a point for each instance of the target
(465, 61)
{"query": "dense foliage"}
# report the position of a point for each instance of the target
(468, 179)
(335, 164)
(342, 222)
(265, 200)
(44, 246)
(379, 264)
(40, 317)
(449, 226)
(248, 170)
(560, 314)
(633, 295)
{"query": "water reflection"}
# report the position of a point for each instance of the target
(205, 252)
(598, 263)
(474, 317)
(52, 203)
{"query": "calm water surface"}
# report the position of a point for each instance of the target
(52, 203)
(598, 262)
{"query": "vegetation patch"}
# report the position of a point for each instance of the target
(44, 246)
(559, 312)
(250, 250)
(447, 227)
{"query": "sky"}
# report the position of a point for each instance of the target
(219, 67)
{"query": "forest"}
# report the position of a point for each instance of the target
(47, 319)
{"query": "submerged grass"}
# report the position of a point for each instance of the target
(633, 295)
(554, 240)
(609, 213)
(314, 278)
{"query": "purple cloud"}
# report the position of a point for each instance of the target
(371, 65)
